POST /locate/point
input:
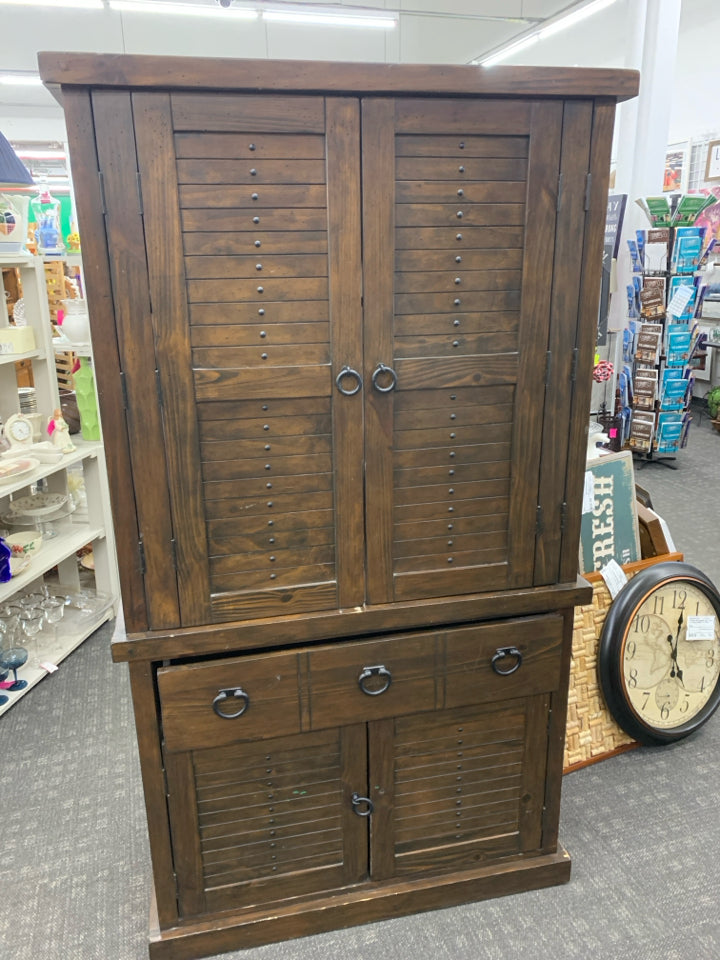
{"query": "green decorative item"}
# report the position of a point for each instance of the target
(713, 402)
(86, 400)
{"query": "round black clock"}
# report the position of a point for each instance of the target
(659, 656)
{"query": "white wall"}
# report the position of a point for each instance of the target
(435, 32)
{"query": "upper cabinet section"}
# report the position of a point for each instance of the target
(335, 318)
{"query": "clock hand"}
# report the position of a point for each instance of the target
(676, 671)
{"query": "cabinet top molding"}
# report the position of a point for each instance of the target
(302, 76)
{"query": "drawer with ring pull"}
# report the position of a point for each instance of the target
(414, 673)
(219, 702)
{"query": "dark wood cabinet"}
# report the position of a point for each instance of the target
(344, 319)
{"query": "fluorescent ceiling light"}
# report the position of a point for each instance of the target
(21, 79)
(184, 9)
(510, 49)
(575, 17)
(60, 4)
(330, 19)
(41, 154)
(553, 27)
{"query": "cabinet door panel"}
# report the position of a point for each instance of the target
(457, 787)
(263, 821)
(249, 345)
(459, 209)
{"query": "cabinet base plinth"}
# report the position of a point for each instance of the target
(366, 904)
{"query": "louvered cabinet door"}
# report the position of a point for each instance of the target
(459, 220)
(251, 211)
(266, 820)
(458, 787)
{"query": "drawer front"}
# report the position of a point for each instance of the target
(262, 691)
(481, 664)
(332, 685)
(374, 679)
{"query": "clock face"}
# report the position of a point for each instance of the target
(660, 653)
(18, 430)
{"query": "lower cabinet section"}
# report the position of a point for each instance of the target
(357, 764)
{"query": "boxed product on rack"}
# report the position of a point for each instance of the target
(645, 388)
(682, 293)
(675, 391)
(687, 250)
(657, 246)
(652, 297)
(642, 431)
(649, 343)
(677, 349)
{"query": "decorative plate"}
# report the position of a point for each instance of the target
(38, 505)
(16, 468)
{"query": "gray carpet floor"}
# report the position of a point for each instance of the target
(642, 828)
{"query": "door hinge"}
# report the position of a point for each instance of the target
(559, 192)
(539, 520)
(158, 386)
(588, 188)
(548, 367)
(123, 387)
(101, 181)
(139, 192)
(141, 553)
(573, 365)
(563, 516)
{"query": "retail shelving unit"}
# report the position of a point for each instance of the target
(89, 523)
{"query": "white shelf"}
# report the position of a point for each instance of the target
(16, 357)
(17, 260)
(63, 345)
(94, 526)
(69, 539)
(84, 449)
(74, 628)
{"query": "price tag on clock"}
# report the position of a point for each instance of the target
(700, 628)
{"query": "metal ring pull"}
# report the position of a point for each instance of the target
(503, 653)
(382, 368)
(356, 800)
(348, 372)
(379, 671)
(235, 693)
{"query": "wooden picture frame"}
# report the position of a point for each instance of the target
(712, 166)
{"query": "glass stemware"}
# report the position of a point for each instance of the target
(13, 658)
(53, 609)
(31, 620)
(3, 676)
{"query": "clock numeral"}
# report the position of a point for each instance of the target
(633, 678)
(642, 624)
(630, 650)
(658, 604)
(664, 711)
(679, 595)
(685, 705)
(697, 608)
(645, 701)
(710, 659)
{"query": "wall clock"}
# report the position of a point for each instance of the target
(659, 656)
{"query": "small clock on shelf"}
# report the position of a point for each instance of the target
(659, 655)
(18, 431)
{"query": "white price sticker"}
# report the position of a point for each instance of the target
(614, 577)
(700, 628)
(588, 493)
